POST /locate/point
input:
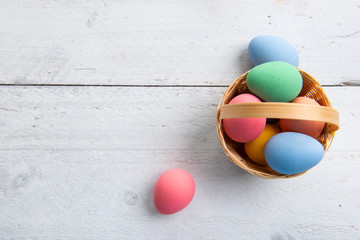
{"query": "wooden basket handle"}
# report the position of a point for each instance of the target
(282, 110)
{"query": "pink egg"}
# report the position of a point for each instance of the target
(244, 129)
(311, 128)
(173, 191)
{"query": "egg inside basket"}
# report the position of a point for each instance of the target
(311, 88)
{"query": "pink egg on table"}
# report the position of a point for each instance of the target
(311, 128)
(174, 190)
(244, 129)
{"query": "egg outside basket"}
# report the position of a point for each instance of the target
(311, 88)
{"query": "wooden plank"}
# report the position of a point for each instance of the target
(108, 194)
(131, 117)
(170, 42)
(82, 162)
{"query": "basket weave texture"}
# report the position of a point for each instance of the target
(235, 150)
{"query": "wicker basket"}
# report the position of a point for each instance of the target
(271, 110)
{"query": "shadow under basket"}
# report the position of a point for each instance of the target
(274, 110)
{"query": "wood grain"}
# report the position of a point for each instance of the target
(81, 162)
(170, 42)
(130, 117)
(98, 98)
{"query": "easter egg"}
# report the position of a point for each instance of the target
(275, 81)
(174, 190)
(293, 153)
(267, 48)
(308, 127)
(255, 148)
(244, 129)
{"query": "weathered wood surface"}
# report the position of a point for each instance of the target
(81, 162)
(170, 42)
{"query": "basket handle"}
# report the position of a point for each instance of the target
(282, 110)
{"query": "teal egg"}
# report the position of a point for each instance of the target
(275, 81)
(292, 153)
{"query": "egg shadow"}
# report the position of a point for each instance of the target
(244, 61)
(213, 172)
(149, 200)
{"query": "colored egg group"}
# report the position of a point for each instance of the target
(288, 146)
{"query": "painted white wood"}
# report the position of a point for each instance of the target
(170, 42)
(132, 117)
(82, 162)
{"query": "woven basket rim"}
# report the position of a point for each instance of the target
(245, 162)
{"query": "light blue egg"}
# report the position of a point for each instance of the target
(267, 48)
(293, 153)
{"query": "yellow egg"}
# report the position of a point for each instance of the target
(255, 148)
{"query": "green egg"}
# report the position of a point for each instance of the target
(275, 81)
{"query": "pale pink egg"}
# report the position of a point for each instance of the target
(173, 191)
(311, 128)
(244, 129)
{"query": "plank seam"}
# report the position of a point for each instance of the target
(139, 85)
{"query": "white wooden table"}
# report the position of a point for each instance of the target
(99, 98)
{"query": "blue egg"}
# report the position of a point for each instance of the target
(267, 48)
(293, 153)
